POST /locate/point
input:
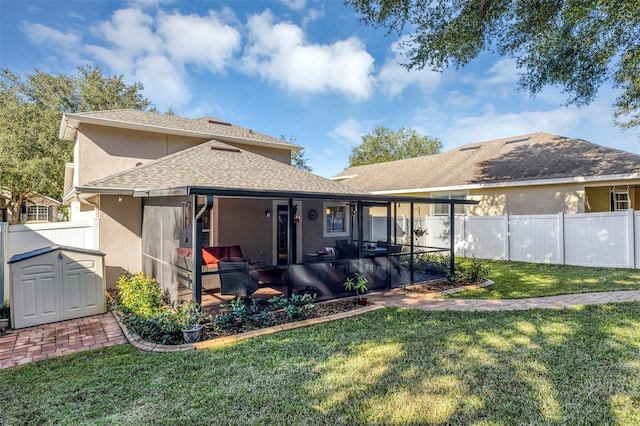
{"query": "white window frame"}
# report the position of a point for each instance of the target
(329, 213)
(459, 210)
(41, 213)
(620, 199)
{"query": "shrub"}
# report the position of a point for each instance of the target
(140, 295)
(240, 316)
(474, 272)
(148, 313)
(5, 310)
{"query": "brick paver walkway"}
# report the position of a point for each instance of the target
(36, 343)
(61, 338)
(411, 299)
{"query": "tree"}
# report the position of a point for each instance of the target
(384, 144)
(577, 45)
(32, 157)
(298, 158)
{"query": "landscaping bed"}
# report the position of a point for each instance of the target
(280, 317)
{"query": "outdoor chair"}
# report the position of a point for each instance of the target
(347, 251)
(236, 279)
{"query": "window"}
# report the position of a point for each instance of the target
(37, 213)
(336, 220)
(620, 199)
(443, 209)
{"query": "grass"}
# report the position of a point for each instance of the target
(391, 366)
(515, 280)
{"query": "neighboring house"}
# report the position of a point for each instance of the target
(530, 174)
(149, 177)
(36, 208)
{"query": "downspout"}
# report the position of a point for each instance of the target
(196, 249)
(452, 238)
(290, 243)
(411, 247)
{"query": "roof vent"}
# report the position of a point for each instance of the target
(469, 148)
(224, 123)
(517, 140)
(224, 148)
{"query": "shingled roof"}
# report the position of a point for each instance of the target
(526, 158)
(208, 127)
(215, 164)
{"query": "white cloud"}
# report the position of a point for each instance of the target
(504, 71)
(349, 131)
(294, 4)
(394, 78)
(163, 83)
(206, 41)
(149, 4)
(46, 36)
(279, 53)
(130, 31)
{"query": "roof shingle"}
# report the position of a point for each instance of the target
(217, 165)
(207, 126)
(530, 157)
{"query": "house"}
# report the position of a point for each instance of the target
(36, 208)
(162, 187)
(529, 174)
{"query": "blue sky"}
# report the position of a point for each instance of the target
(302, 69)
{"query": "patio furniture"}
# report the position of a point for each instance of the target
(236, 279)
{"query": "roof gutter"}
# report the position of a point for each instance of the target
(245, 193)
(72, 121)
(558, 181)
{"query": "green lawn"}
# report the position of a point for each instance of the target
(391, 366)
(515, 280)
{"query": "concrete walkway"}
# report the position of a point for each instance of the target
(37, 343)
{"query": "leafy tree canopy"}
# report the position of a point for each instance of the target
(298, 158)
(384, 144)
(577, 45)
(32, 158)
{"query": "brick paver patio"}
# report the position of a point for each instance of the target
(61, 338)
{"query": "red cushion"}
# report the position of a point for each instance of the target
(184, 251)
(235, 251)
(209, 256)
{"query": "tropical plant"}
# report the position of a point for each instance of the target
(359, 285)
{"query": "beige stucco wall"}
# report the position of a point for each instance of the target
(101, 151)
(106, 150)
(543, 199)
(120, 236)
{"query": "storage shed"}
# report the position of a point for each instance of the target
(56, 283)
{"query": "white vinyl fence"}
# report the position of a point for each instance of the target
(17, 239)
(587, 239)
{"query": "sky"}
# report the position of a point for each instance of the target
(305, 70)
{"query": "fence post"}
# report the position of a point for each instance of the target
(631, 240)
(507, 238)
(561, 238)
(3, 262)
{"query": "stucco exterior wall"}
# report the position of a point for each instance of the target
(242, 222)
(120, 236)
(106, 150)
(101, 151)
(543, 199)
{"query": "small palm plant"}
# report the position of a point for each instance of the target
(359, 285)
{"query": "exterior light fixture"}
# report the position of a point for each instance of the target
(267, 213)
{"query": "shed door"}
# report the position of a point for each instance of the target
(83, 293)
(36, 294)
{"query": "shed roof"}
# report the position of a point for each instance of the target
(526, 158)
(208, 127)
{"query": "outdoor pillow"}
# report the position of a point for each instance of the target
(209, 256)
